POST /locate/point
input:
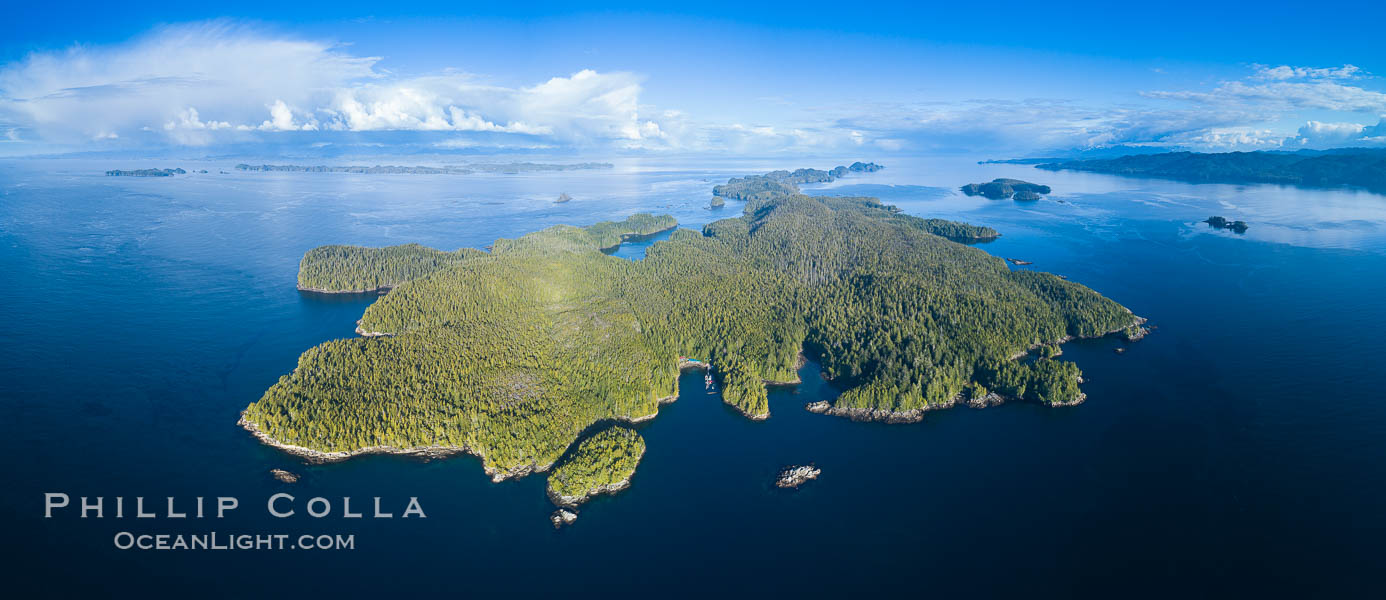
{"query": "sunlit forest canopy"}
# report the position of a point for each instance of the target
(599, 463)
(512, 354)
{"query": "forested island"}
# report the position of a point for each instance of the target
(511, 355)
(1358, 167)
(777, 183)
(1001, 188)
(147, 173)
(506, 168)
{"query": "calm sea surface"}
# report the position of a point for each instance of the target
(1237, 450)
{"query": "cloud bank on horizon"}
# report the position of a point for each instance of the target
(204, 85)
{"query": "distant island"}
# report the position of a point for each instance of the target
(776, 183)
(147, 173)
(1221, 223)
(1001, 188)
(1356, 167)
(532, 356)
(507, 168)
(717, 202)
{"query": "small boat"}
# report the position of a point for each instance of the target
(707, 382)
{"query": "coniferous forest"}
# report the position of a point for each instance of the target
(513, 353)
(601, 463)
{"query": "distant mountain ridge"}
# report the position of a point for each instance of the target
(1357, 167)
(1049, 156)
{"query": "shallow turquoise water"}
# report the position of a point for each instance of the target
(1236, 450)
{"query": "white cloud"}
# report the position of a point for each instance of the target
(1284, 72)
(190, 130)
(1237, 138)
(188, 119)
(216, 82)
(196, 84)
(1272, 95)
(1027, 124)
(1325, 135)
(224, 71)
(587, 106)
(282, 119)
(1284, 96)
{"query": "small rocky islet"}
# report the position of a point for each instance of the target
(284, 476)
(1223, 223)
(795, 476)
(562, 517)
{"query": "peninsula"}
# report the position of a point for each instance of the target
(1356, 167)
(514, 355)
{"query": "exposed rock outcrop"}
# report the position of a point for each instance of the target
(562, 517)
(284, 476)
(793, 477)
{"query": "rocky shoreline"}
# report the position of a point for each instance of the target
(877, 415)
(370, 334)
(755, 417)
(880, 415)
(378, 290)
(432, 452)
(823, 407)
(574, 501)
(319, 456)
(1068, 338)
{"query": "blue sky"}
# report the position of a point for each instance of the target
(731, 79)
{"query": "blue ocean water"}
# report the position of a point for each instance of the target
(1236, 450)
